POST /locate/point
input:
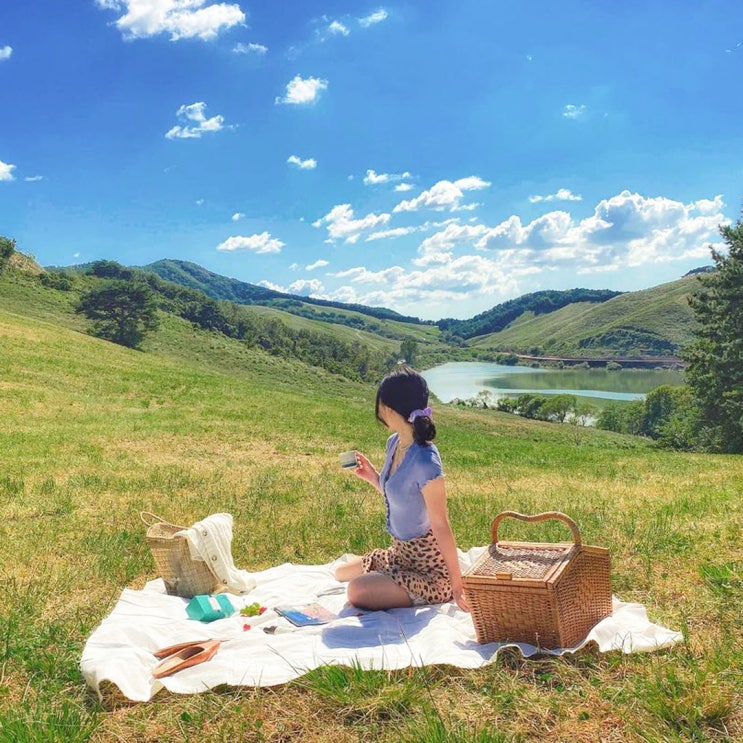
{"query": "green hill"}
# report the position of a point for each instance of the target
(652, 322)
(538, 303)
(217, 286)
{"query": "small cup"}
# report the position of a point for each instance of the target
(347, 459)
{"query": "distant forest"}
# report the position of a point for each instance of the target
(540, 303)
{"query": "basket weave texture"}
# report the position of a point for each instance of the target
(183, 575)
(548, 595)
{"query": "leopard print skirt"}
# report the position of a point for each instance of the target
(415, 564)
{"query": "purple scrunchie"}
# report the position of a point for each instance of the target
(416, 413)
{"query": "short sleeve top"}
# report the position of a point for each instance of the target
(407, 517)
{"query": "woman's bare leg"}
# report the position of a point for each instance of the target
(349, 569)
(375, 591)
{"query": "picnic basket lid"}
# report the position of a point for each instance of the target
(526, 561)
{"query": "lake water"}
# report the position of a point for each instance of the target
(465, 379)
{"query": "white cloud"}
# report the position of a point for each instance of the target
(306, 287)
(372, 178)
(260, 243)
(5, 52)
(436, 289)
(303, 90)
(361, 275)
(6, 171)
(182, 19)
(626, 230)
(336, 28)
(199, 202)
(308, 164)
(270, 285)
(443, 195)
(376, 17)
(257, 49)
(438, 248)
(573, 112)
(341, 224)
(394, 232)
(194, 113)
(402, 187)
(237, 216)
(563, 194)
(317, 264)
(466, 263)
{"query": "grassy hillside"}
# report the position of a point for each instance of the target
(654, 322)
(93, 433)
(384, 344)
(222, 287)
(539, 303)
(341, 340)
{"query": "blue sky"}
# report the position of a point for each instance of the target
(433, 157)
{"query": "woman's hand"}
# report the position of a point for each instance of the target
(461, 601)
(365, 470)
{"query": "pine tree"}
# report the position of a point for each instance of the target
(715, 356)
(121, 311)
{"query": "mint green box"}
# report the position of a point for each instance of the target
(208, 607)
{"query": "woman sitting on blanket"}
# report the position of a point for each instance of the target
(421, 566)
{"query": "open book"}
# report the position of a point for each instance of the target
(306, 615)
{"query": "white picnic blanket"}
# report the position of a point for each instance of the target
(120, 648)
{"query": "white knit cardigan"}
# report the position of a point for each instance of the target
(210, 540)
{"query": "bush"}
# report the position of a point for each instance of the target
(673, 417)
(622, 417)
(57, 280)
(669, 415)
(7, 248)
(557, 407)
(508, 359)
(506, 405)
(530, 405)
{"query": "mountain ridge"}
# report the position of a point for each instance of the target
(654, 322)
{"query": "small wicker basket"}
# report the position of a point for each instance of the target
(183, 575)
(548, 595)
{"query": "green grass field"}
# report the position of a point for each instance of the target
(92, 434)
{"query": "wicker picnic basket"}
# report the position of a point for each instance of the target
(548, 595)
(182, 574)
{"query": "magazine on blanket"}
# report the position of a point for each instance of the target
(306, 615)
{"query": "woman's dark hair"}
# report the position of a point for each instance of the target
(404, 390)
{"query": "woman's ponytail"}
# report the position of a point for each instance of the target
(424, 429)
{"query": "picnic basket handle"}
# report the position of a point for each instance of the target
(537, 517)
(149, 519)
